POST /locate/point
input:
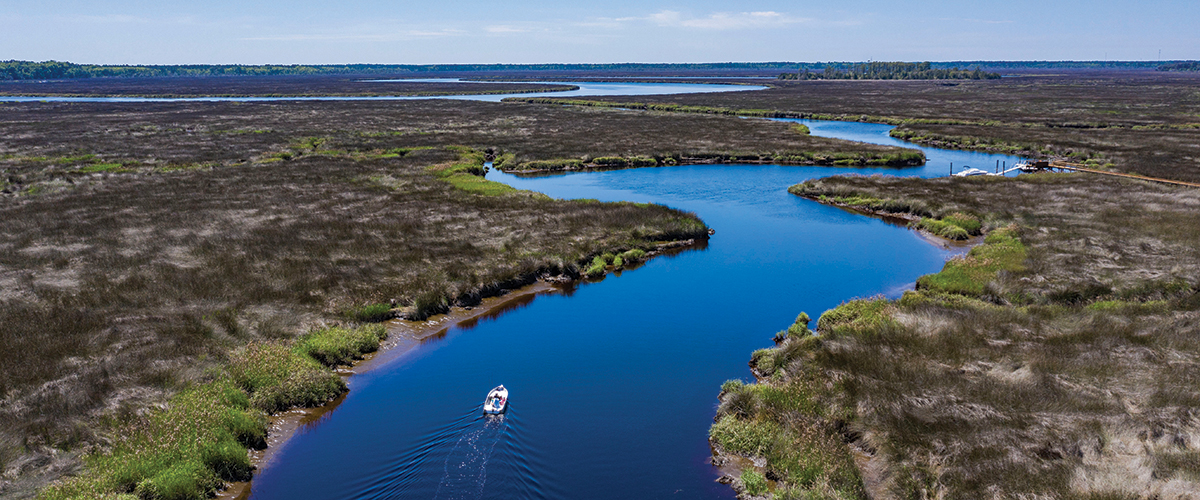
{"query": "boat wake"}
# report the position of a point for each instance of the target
(465, 471)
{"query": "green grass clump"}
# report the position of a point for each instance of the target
(618, 262)
(799, 328)
(182, 452)
(917, 298)
(967, 222)
(370, 313)
(618, 161)
(785, 398)
(745, 437)
(956, 226)
(941, 228)
(103, 167)
(551, 165)
(764, 360)
(479, 185)
(801, 129)
(468, 177)
(429, 303)
(732, 385)
(597, 268)
(754, 481)
(65, 160)
(339, 346)
(504, 161)
(609, 161)
(635, 255)
(199, 441)
(1002, 251)
(816, 191)
(857, 318)
(278, 376)
(805, 456)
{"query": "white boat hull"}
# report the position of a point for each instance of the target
(496, 401)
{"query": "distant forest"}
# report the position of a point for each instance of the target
(1181, 66)
(58, 70)
(890, 71)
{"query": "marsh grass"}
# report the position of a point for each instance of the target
(370, 313)
(262, 86)
(1141, 122)
(948, 229)
(785, 424)
(1002, 251)
(468, 174)
(596, 268)
(857, 317)
(121, 288)
(334, 346)
(1056, 359)
(199, 441)
(754, 481)
(185, 451)
(1139, 240)
(278, 375)
(634, 255)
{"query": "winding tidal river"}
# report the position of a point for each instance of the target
(614, 383)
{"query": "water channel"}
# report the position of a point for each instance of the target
(613, 383)
(592, 89)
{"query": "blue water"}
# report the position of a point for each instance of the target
(613, 384)
(938, 161)
(594, 89)
(599, 89)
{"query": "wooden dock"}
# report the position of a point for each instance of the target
(1062, 165)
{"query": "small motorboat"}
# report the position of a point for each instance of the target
(497, 401)
(971, 172)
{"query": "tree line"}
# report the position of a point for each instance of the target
(1181, 66)
(889, 71)
(56, 70)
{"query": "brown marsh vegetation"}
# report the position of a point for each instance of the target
(1142, 122)
(141, 244)
(1068, 372)
(51, 142)
(291, 86)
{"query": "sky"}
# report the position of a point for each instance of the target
(543, 31)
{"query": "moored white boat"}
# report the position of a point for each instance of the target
(496, 401)
(970, 172)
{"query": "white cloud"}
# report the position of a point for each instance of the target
(721, 20)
